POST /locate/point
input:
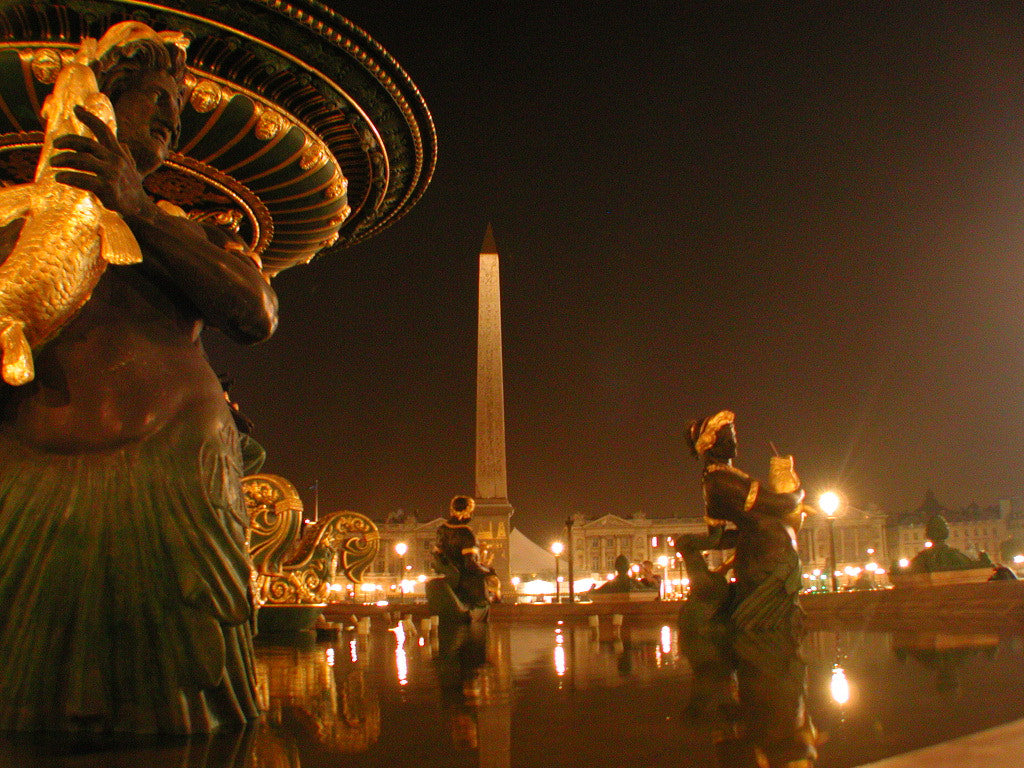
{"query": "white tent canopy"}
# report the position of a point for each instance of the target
(526, 556)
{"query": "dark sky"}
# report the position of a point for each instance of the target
(812, 217)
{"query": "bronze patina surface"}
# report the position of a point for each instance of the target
(124, 567)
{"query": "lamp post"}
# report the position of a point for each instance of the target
(671, 554)
(556, 550)
(572, 578)
(400, 549)
(663, 562)
(829, 503)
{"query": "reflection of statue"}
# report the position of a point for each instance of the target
(316, 704)
(763, 521)
(771, 687)
(623, 583)
(462, 654)
(231, 748)
(944, 653)
(750, 688)
(124, 574)
(465, 587)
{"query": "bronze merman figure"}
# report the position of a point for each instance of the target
(124, 573)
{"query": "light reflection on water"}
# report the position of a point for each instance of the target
(547, 695)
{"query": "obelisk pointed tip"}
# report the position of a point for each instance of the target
(489, 246)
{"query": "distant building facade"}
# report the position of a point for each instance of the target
(597, 542)
(972, 529)
(862, 537)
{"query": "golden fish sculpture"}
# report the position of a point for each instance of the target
(68, 236)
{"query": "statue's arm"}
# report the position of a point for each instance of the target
(225, 285)
(726, 494)
(778, 504)
(730, 494)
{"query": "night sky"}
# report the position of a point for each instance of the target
(812, 217)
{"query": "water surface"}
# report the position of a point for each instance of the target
(548, 695)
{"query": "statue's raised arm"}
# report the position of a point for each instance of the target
(214, 272)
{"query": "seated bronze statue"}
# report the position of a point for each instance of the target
(465, 587)
(940, 556)
(623, 583)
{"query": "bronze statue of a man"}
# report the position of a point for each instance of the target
(124, 574)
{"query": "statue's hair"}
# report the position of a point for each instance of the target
(461, 507)
(703, 433)
(120, 68)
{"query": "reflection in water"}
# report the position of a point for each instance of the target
(313, 703)
(401, 659)
(560, 664)
(750, 689)
(600, 694)
(839, 685)
(473, 677)
(943, 653)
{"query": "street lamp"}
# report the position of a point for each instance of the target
(829, 503)
(572, 576)
(556, 550)
(663, 562)
(400, 549)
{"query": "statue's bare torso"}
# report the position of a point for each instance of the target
(126, 366)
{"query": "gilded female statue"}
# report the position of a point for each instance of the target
(758, 520)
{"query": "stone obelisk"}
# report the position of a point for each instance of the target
(493, 511)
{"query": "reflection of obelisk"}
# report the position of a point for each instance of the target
(493, 510)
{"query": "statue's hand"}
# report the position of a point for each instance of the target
(103, 166)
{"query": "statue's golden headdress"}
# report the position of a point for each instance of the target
(122, 35)
(461, 507)
(704, 432)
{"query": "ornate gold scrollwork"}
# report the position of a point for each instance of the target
(290, 570)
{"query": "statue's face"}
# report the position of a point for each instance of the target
(725, 443)
(148, 116)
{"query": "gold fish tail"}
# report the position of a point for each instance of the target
(117, 243)
(18, 367)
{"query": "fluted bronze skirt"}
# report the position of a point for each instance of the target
(125, 603)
